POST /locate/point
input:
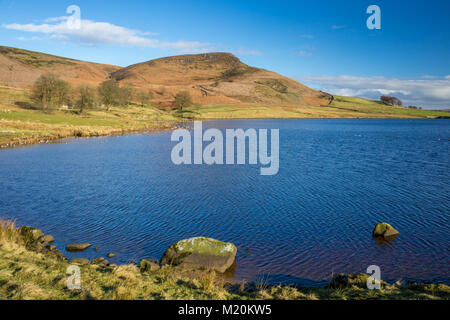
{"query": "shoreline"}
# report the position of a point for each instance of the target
(28, 142)
(30, 268)
(32, 141)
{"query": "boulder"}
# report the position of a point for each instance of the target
(201, 252)
(112, 255)
(149, 265)
(80, 261)
(30, 234)
(98, 260)
(385, 230)
(47, 239)
(78, 247)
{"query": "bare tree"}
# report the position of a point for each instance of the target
(182, 100)
(87, 98)
(109, 94)
(50, 92)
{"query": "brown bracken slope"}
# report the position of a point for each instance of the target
(217, 78)
(211, 78)
(20, 68)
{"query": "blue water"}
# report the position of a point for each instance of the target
(337, 179)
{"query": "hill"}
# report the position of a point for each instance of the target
(20, 68)
(217, 78)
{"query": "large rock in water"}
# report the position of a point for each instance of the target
(385, 230)
(201, 252)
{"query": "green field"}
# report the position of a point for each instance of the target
(342, 107)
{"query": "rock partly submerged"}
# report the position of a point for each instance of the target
(385, 230)
(201, 252)
(35, 240)
(78, 247)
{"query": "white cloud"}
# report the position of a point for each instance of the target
(447, 77)
(423, 93)
(92, 32)
(336, 27)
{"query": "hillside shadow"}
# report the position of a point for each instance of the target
(25, 105)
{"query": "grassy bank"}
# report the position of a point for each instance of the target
(341, 107)
(21, 124)
(26, 274)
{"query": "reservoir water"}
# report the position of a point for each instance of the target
(337, 179)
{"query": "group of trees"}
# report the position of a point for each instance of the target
(393, 101)
(49, 93)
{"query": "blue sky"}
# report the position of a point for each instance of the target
(325, 44)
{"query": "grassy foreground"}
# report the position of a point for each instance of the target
(29, 275)
(21, 124)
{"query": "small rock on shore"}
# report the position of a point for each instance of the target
(78, 247)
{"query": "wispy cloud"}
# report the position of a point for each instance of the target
(424, 93)
(336, 27)
(92, 32)
(306, 36)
